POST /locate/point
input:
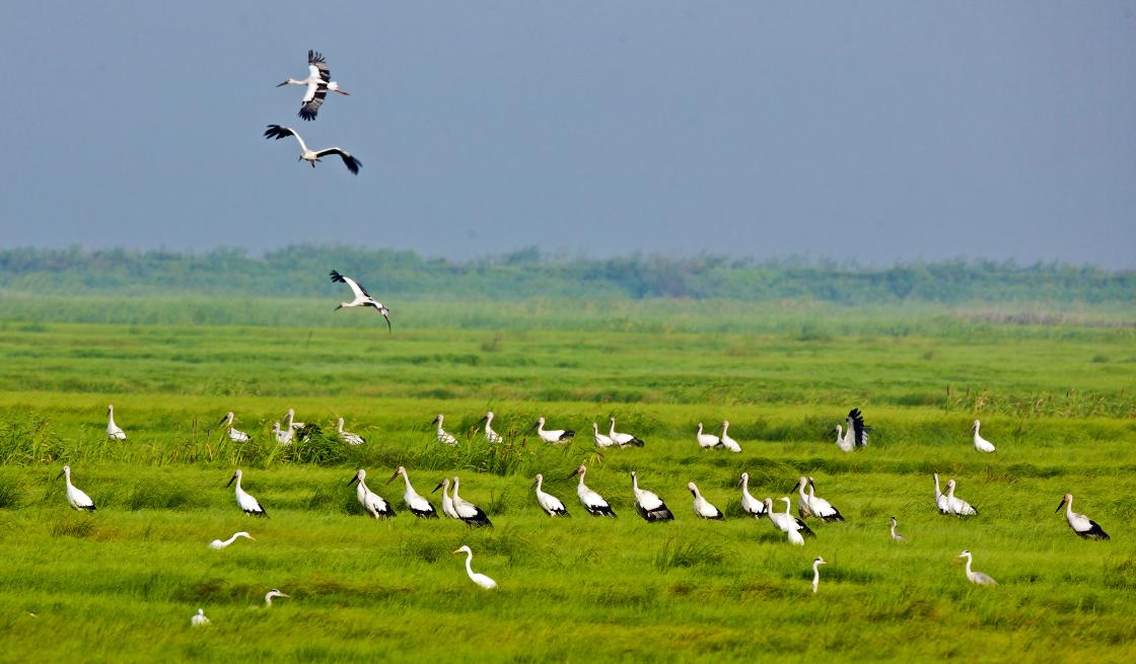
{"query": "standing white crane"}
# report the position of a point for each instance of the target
(552, 435)
(977, 578)
(217, 544)
(727, 442)
(551, 505)
(490, 435)
(750, 505)
(702, 507)
(373, 503)
(786, 521)
(361, 297)
(477, 577)
(470, 514)
(418, 506)
(602, 440)
(75, 496)
(810, 505)
(706, 441)
(940, 498)
(443, 437)
(113, 430)
(593, 503)
(648, 504)
(313, 156)
(347, 436)
(199, 619)
(958, 506)
(857, 433)
(980, 443)
(816, 572)
(283, 436)
(272, 594)
(318, 84)
(1085, 527)
(896, 537)
(447, 502)
(245, 501)
(234, 435)
(623, 439)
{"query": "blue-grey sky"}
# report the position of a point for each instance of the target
(882, 131)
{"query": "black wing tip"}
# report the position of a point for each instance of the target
(336, 277)
(276, 131)
(352, 163)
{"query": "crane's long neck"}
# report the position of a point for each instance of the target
(232, 538)
(454, 491)
(469, 563)
(745, 488)
(611, 431)
(581, 475)
(788, 504)
(635, 483)
(409, 489)
(937, 491)
(801, 488)
(839, 433)
(968, 561)
(539, 484)
(893, 529)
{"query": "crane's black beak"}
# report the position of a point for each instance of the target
(740, 480)
(392, 477)
(437, 487)
(353, 479)
(573, 474)
(434, 421)
(1060, 506)
(280, 85)
(61, 475)
(231, 480)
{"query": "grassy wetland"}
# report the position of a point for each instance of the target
(1053, 387)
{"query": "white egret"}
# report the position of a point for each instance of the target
(552, 435)
(785, 521)
(290, 419)
(272, 594)
(648, 504)
(113, 430)
(816, 572)
(623, 439)
(361, 297)
(477, 577)
(221, 544)
(593, 503)
(245, 501)
(980, 443)
(347, 436)
(283, 436)
(551, 505)
(199, 619)
(234, 435)
(977, 578)
(940, 498)
(418, 506)
(75, 496)
(810, 505)
(750, 505)
(443, 437)
(373, 503)
(702, 507)
(1081, 524)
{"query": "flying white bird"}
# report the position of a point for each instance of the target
(362, 297)
(470, 514)
(857, 433)
(313, 156)
(245, 501)
(318, 83)
(702, 507)
(477, 577)
(602, 440)
(234, 435)
(593, 503)
(347, 436)
(810, 505)
(551, 505)
(447, 501)
(648, 504)
(199, 619)
(623, 439)
(958, 506)
(896, 537)
(707, 440)
(283, 436)
(980, 443)
(113, 430)
(750, 505)
(816, 572)
(418, 506)
(1081, 524)
(373, 503)
(75, 496)
(977, 578)
(552, 435)
(443, 437)
(727, 442)
(268, 597)
(221, 544)
(490, 435)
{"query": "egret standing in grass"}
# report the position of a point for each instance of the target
(750, 505)
(477, 577)
(940, 498)
(443, 437)
(648, 504)
(418, 506)
(199, 619)
(113, 430)
(373, 503)
(702, 507)
(234, 435)
(221, 544)
(75, 496)
(594, 503)
(980, 443)
(283, 435)
(272, 594)
(245, 501)
(896, 537)
(816, 572)
(785, 521)
(977, 578)
(1085, 527)
(551, 505)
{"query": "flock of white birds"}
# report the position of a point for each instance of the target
(648, 504)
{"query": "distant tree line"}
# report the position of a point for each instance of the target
(302, 270)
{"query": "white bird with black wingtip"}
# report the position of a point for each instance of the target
(593, 503)
(787, 522)
(113, 430)
(1085, 527)
(727, 442)
(347, 436)
(477, 577)
(956, 505)
(703, 509)
(552, 435)
(234, 434)
(217, 544)
(372, 503)
(707, 441)
(977, 578)
(245, 500)
(856, 434)
(811, 505)
(602, 440)
(318, 84)
(313, 156)
(648, 504)
(447, 501)
(980, 443)
(490, 435)
(623, 439)
(467, 512)
(442, 436)
(361, 297)
(75, 496)
(750, 505)
(418, 506)
(551, 505)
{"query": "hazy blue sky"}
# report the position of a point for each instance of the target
(879, 130)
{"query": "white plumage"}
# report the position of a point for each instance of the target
(443, 437)
(816, 572)
(373, 503)
(786, 522)
(418, 506)
(75, 496)
(361, 298)
(856, 434)
(221, 544)
(623, 439)
(811, 505)
(602, 440)
(552, 435)
(347, 436)
(467, 512)
(491, 435)
(199, 619)
(958, 506)
(980, 443)
(113, 430)
(245, 501)
(940, 498)
(896, 537)
(477, 577)
(977, 578)
(272, 594)
(234, 435)
(707, 440)
(283, 435)
(727, 442)
(593, 503)
(447, 502)
(702, 507)
(317, 85)
(313, 156)
(648, 504)
(750, 505)
(551, 505)
(1081, 524)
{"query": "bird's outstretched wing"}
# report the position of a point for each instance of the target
(317, 66)
(350, 162)
(382, 310)
(358, 290)
(310, 104)
(278, 132)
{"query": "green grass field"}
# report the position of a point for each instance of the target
(1054, 390)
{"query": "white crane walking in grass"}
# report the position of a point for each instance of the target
(490, 435)
(447, 501)
(648, 504)
(552, 435)
(816, 572)
(958, 506)
(727, 442)
(75, 496)
(602, 440)
(245, 500)
(896, 537)
(199, 619)
(443, 437)
(318, 84)
(361, 297)
(593, 503)
(623, 439)
(1085, 527)
(810, 505)
(857, 433)
(272, 594)
(470, 514)
(113, 430)
(750, 505)
(702, 507)
(477, 577)
(551, 505)
(980, 443)
(234, 435)
(313, 156)
(373, 503)
(347, 436)
(217, 544)
(418, 506)
(707, 441)
(977, 578)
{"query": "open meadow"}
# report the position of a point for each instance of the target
(1055, 390)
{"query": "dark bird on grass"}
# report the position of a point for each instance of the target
(313, 156)
(317, 84)
(362, 297)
